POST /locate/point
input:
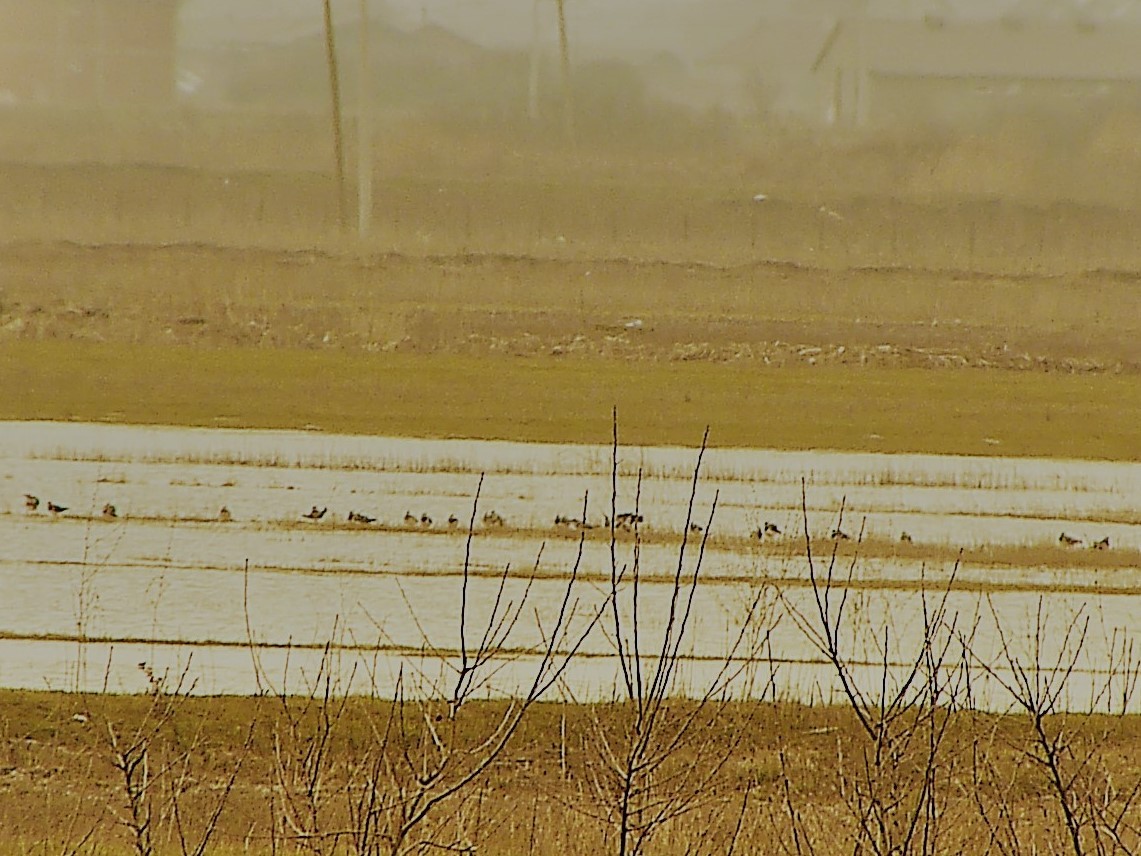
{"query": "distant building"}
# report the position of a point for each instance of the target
(855, 70)
(876, 71)
(87, 53)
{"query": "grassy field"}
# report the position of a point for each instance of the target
(890, 410)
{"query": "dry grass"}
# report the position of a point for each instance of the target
(535, 305)
(1015, 200)
(60, 765)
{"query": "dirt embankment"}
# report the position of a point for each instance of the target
(764, 313)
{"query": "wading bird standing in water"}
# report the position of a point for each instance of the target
(109, 511)
(56, 509)
(315, 513)
(31, 503)
(625, 521)
(1068, 540)
(572, 523)
(769, 530)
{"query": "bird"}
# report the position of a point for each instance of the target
(840, 535)
(315, 513)
(695, 528)
(491, 518)
(425, 521)
(625, 520)
(56, 509)
(453, 521)
(410, 519)
(905, 537)
(224, 515)
(31, 502)
(354, 517)
(109, 510)
(772, 529)
(1103, 544)
(1068, 540)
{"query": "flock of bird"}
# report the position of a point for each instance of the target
(32, 503)
(625, 521)
(410, 519)
(1070, 541)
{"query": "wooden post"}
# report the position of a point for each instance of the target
(564, 62)
(533, 72)
(364, 132)
(335, 87)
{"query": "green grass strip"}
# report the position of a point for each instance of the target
(961, 411)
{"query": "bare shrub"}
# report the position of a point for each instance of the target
(654, 756)
(895, 782)
(1091, 801)
(415, 780)
(156, 767)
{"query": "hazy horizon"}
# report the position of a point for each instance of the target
(509, 23)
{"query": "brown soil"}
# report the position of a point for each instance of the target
(775, 314)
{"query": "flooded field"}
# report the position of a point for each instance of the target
(191, 548)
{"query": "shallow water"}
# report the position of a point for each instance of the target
(166, 583)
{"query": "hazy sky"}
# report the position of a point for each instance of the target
(639, 24)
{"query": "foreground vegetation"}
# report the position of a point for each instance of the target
(792, 771)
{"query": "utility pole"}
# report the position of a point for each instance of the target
(533, 77)
(863, 78)
(335, 87)
(364, 132)
(564, 63)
